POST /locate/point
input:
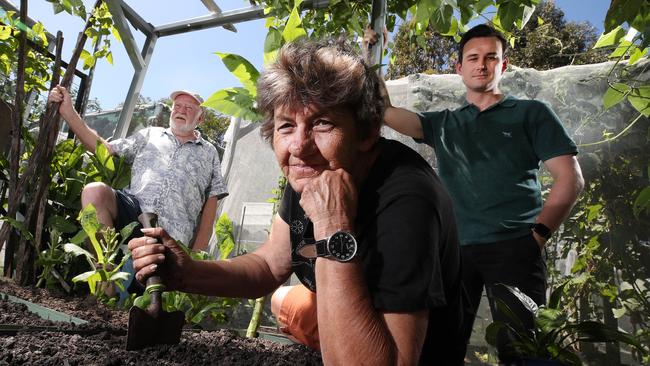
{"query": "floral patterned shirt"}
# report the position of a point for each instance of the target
(170, 179)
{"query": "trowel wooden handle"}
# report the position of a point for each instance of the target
(154, 283)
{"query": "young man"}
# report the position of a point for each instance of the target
(377, 255)
(175, 173)
(488, 154)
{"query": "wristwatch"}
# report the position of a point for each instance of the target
(340, 246)
(542, 230)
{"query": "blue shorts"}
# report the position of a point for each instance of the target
(128, 210)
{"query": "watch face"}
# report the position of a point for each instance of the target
(342, 246)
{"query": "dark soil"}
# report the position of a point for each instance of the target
(102, 341)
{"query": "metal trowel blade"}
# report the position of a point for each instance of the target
(145, 330)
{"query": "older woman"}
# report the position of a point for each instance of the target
(364, 223)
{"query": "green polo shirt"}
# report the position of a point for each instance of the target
(489, 162)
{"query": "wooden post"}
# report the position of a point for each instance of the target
(40, 162)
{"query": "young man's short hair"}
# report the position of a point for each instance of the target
(481, 30)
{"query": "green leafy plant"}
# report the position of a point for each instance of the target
(555, 334)
(106, 244)
(199, 310)
(55, 263)
(112, 170)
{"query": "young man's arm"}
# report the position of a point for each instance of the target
(567, 184)
(85, 134)
(404, 121)
(206, 224)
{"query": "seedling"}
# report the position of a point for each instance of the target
(106, 244)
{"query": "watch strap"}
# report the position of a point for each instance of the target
(542, 230)
(321, 248)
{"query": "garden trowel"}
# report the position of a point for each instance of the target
(153, 325)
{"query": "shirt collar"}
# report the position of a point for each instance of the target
(198, 140)
(507, 101)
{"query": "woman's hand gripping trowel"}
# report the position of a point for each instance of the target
(152, 325)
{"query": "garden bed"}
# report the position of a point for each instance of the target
(33, 340)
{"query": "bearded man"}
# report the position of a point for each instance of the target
(175, 173)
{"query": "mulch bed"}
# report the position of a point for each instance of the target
(102, 341)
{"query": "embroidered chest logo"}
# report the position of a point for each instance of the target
(507, 134)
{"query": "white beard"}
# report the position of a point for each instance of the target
(183, 128)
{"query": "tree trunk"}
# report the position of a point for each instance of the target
(17, 124)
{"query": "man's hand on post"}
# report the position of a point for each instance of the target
(157, 253)
(60, 95)
(330, 202)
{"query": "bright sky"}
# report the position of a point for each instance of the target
(187, 61)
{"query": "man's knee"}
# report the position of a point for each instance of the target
(97, 193)
(102, 197)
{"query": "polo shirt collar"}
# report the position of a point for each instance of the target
(507, 101)
(198, 140)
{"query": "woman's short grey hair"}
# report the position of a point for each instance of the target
(327, 74)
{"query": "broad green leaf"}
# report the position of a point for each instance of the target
(90, 224)
(201, 314)
(61, 224)
(441, 19)
(57, 8)
(272, 44)
(622, 49)
(79, 238)
(85, 276)
(556, 296)
(640, 99)
(422, 15)
(104, 156)
(593, 331)
(636, 55)
(116, 34)
(126, 231)
(77, 251)
(109, 57)
(507, 13)
(527, 13)
(618, 313)
(642, 202)
(293, 29)
(20, 226)
(39, 33)
(593, 211)
(143, 301)
(615, 94)
(466, 11)
(87, 58)
(242, 69)
(611, 38)
(626, 286)
(93, 282)
(581, 279)
(122, 276)
(236, 102)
